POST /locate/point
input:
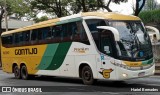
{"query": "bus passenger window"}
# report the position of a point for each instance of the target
(72, 29)
(34, 35)
(80, 33)
(8, 40)
(17, 38)
(47, 33)
(64, 30)
(21, 38)
(40, 34)
(26, 36)
(57, 33)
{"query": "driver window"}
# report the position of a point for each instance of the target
(93, 23)
(106, 41)
(103, 40)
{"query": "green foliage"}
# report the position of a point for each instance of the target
(150, 16)
(151, 4)
(67, 7)
(43, 18)
(18, 7)
(54, 7)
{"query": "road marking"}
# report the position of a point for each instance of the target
(110, 93)
(154, 76)
(150, 84)
(76, 89)
(145, 84)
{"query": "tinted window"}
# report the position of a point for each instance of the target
(47, 33)
(21, 36)
(93, 23)
(7, 39)
(57, 33)
(34, 35)
(26, 36)
(40, 34)
(79, 33)
(69, 32)
(16, 40)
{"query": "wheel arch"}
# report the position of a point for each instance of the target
(22, 64)
(81, 65)
(13, 65)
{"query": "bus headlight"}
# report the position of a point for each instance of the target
(121, 65)
(124, 75)
(153, 71)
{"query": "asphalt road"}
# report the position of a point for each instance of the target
(71, 86)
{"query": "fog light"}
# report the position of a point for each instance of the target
(153, 71)
(124, 75)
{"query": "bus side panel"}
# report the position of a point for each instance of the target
(83, 54)
(68, 66)
(28, 55)
(89, 60)
(6, 60)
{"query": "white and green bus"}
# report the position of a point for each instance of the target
(91, 46)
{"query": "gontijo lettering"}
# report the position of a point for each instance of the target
(26, 51)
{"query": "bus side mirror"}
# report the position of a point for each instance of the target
(153, 31)
(112, 29)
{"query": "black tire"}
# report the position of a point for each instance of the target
(24, 73)
(17, 73)
(87, 76)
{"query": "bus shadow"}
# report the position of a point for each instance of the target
(57, 79)
(99, 86)
(99, 83)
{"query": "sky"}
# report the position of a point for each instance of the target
(125, 8)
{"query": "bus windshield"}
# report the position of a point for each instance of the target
(134, 41)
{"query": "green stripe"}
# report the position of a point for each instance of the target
(147, 62)
(69, 20)
(59, 56)
(48, 56)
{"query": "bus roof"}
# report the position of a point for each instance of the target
(111, 15)
(105, 15)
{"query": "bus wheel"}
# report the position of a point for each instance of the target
(24, 72)
(87, 75)
(17, 72)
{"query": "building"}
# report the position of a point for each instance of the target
(15, 24)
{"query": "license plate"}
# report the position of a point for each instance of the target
(141, 74)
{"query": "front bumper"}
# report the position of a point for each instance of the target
(122, 73)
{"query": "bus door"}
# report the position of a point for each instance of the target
(106, 41)
(106, 47)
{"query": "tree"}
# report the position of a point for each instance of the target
(2, 11)
(67, 7)
(139, 5)
(104, 5)
(55, 7)
(43, 18)
(84, 6)
(17, 7)
(151, 4)
(20, 8)
(93, 5)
